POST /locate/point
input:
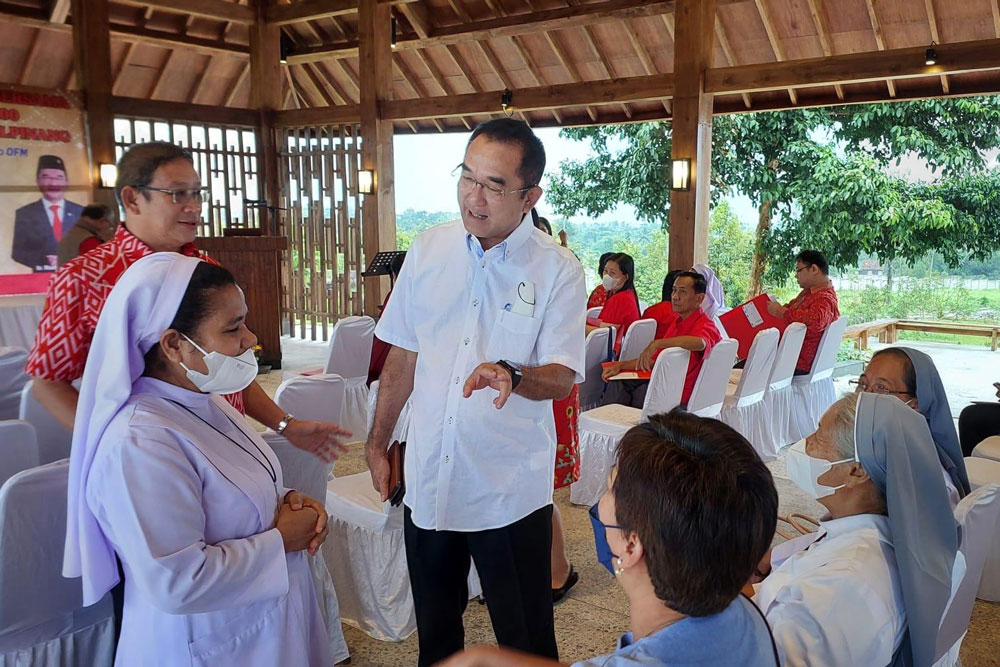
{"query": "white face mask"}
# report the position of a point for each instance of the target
(226, 375)
(806, 470)
(609, 282)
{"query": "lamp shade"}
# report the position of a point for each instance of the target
(108, 175)
(680, 174)
(366, 181)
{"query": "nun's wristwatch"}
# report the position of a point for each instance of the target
(283, 424)
(515, 373)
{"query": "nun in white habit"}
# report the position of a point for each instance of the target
(168, 476)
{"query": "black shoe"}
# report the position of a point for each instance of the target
(559, 593)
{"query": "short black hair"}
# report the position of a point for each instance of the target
(195, 306)
(516, 132)
(703, 504)
(909, 372)
(138, 164)
(668, 284)
(95, 212)
(814, 258)
(700, 284)
(602, 261)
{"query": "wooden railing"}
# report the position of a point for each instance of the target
(887, 330)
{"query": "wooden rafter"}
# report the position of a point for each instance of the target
(591, 39)
(935, 38)
(498, 69)
(772, 37)
(317, 83)
(310, 10)
(463, 67)
(647, 62)
(29, 60)
(879, 40)
(568, 66)
(292, 92)
(411, 80)
(727, 51)
(209, 9)
(438, 78)
(418, 17)
(331, 81)
(199, 83)
(237, 84)
(536, 74)
(460, 12)
(60, 11)
(70, 77)
(158, 81)
(823, 31)
(123, 64)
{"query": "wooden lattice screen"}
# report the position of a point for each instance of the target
(225, 157)
(322, 220)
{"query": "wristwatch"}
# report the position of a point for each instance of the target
(283, 424)
(515, 373)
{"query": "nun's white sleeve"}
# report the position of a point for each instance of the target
(147, 497)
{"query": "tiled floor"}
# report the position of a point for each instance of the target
(589, 621)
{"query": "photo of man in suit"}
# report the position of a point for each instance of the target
(40, 225)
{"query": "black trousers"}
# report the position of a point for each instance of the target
(515, 570)
(976, 423)
(625, 392)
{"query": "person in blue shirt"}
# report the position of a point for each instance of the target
(689, 511)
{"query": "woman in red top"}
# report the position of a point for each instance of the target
(600, 295)
(622, 306)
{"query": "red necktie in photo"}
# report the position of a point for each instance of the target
(56, 222)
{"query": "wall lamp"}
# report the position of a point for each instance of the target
(108, 175)
(366, 181)
(680, 174)
(930, 57)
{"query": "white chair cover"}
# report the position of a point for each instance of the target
(600, 429)
(595, 312)
(18, 449)
(642, 306)
(982, 471)
(42, 620)
(977, 513)
(744, 408)
(710, 388)
(814, 392)
(597, 352)
(636, 338)
(778, 398)
(718, 325)
(313, 397)
(54, 440)
(12, 380)
(988, 448)
(350, 354)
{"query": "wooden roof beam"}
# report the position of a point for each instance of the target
(209, 9)
(823, 31)
(772, 37)
(29, 60)
(643, 55)
(59, 12)
(411, 79)
(123, 65)
(438, 78)
(879, 41)
(932, 23)
(237, 84)
(568, 66)
(536, 74)
(602, 58)
(199, 83)
(331, 81)
(310, 10)
(995, 7)
(155, 90)
(727, 50)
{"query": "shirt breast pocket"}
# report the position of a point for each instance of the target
(513, 338)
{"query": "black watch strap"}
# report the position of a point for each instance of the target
(515, 373)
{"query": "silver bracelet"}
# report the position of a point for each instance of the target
(283, 424)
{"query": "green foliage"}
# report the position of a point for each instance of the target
(730, 253)
(926, 299)
(409, 223)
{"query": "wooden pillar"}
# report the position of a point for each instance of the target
(379, 209)
(692, 130)
(92, 52)
(265, 96)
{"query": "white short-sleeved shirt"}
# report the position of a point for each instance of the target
(469, 466)
(837, 602)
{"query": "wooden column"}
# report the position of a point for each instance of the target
(92, 53)
(692, 130)
(378, 210)
(265, 97)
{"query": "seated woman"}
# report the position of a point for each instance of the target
(872, 586)
(622, 307)
(170, 478)
(663, 312)
(600, 295)
(911, 376)
(683, 589)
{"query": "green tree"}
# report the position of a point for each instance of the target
(730, 253)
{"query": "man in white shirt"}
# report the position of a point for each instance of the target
(488, 330)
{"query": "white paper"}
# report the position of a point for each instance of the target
(752, 314)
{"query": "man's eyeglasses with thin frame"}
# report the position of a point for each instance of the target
(597, 518)
(878, 388)
(180, 196)
(492, 192)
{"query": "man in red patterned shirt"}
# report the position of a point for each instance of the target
(815, 306)
(162, 197)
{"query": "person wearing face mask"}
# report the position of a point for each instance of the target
(171, 479)
(691, 329)
(162, 197)
(911, 376)
(600, 295)
(871, 585)
(685, 605)
(622, 306)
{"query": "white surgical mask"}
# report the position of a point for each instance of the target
(226, 374)
(806, 470)
(609, 283)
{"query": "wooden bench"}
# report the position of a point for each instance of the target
(859, 333)
(956, 328)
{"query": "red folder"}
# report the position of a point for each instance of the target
(628, 375)
(745, 321)
(593, 321)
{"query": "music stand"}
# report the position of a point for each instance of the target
(379, 266)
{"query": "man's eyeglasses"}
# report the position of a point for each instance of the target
(491, 192)
(197, 195)
(877, 388)
(802, 268)
(597, 519)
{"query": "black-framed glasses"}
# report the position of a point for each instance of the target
(877, 388)
(492, 192)
(802, 268)
(597, 519)
(181, 196)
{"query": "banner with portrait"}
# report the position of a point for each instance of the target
(44, 182)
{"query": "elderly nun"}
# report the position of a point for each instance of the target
(167, 477)
(872, 585)
(911, 376)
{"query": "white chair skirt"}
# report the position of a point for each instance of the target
(811, 401)
(598, 442)
(753, 422)
(83, 637)
(778, 405)
(355, 414)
